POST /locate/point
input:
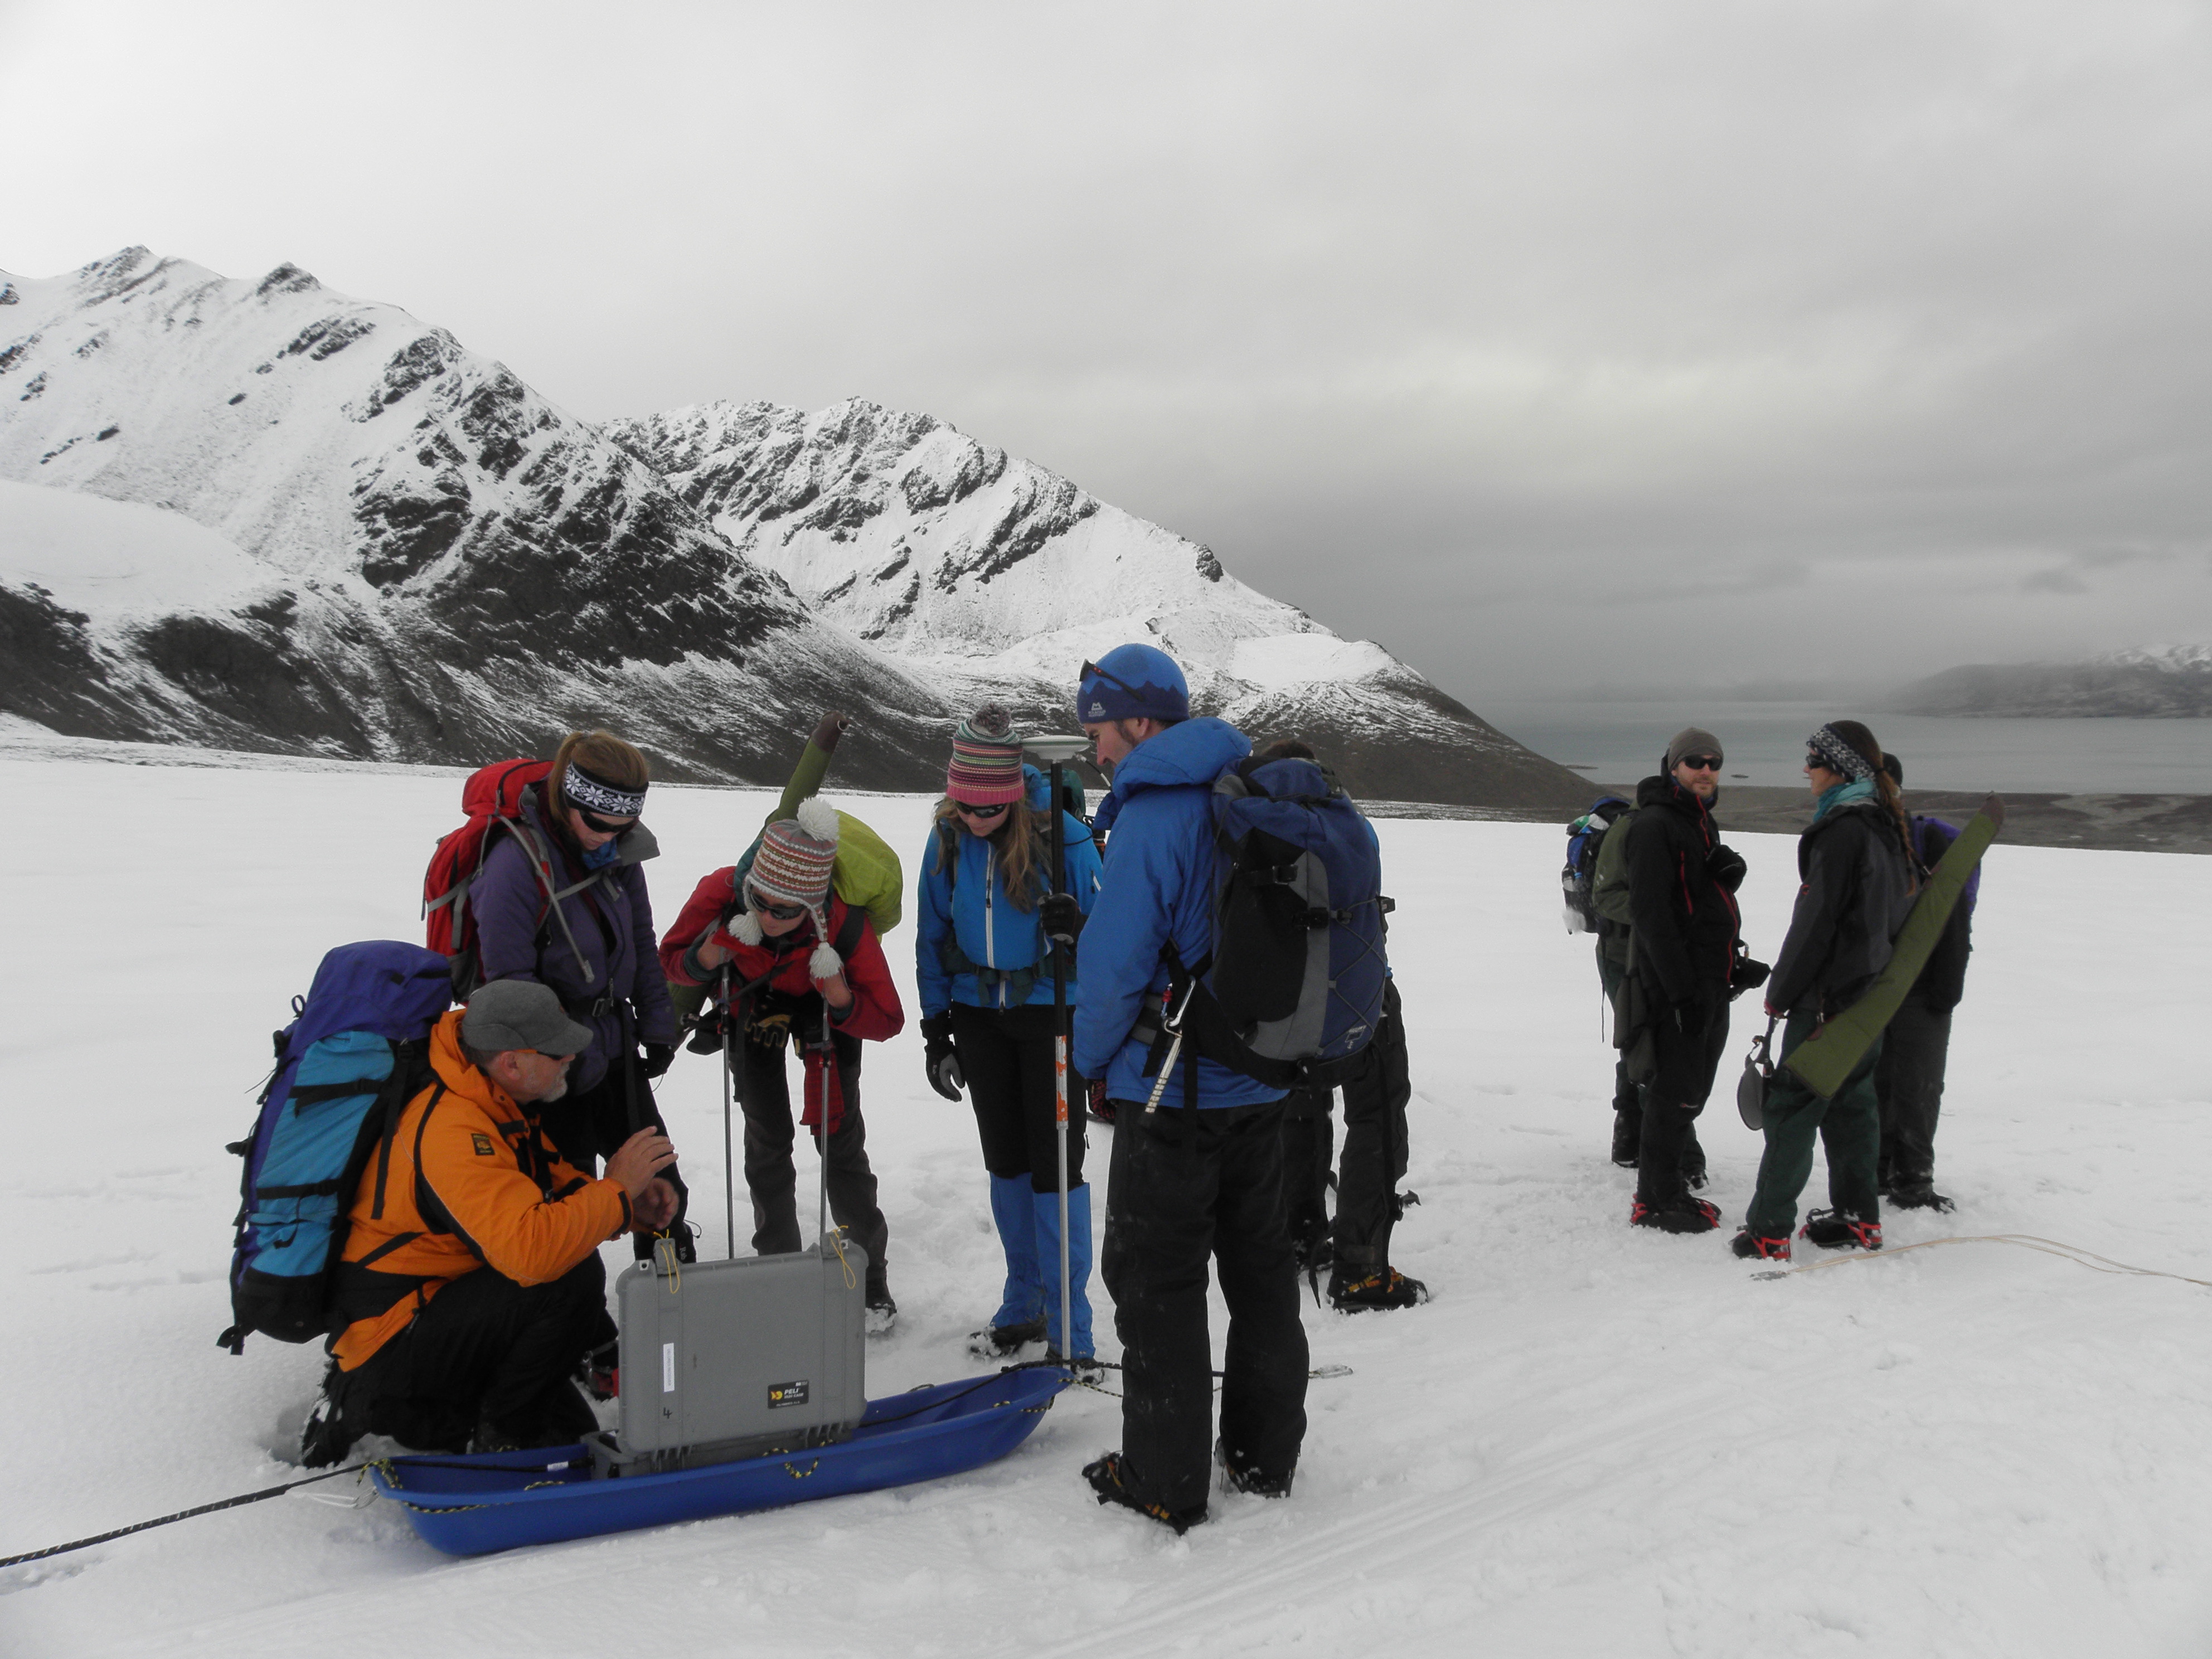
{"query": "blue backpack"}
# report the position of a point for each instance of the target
(1292, 990)
(346, 1067)
(1578, 876)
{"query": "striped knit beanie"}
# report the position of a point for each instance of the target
(1833, 744)
(793, 867)
(986, 760)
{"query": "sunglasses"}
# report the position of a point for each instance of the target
(1090, 668)
(558, 1060)
(1702, 762)
(1817, 764)
(780, 912)
(604, 826)
(986, 813)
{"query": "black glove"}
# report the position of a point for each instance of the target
(1726, 866)
(1061, 916)
(659, 1057)
(938, 1060)
(706, 1036)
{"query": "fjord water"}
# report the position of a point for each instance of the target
(1617, 742)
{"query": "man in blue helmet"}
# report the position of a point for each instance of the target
(1200, 1179)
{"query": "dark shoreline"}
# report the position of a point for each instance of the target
(2110, 823)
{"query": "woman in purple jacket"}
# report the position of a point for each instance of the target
(563, 900)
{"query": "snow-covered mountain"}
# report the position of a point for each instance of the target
(987, 574)
(407, 553)
(2154, 682)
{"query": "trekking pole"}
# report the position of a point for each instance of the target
(1058, 751)
(729, 1159)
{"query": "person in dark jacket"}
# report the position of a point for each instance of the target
(1682, 951)
(983, 970)
(1855, 862)
(1356, 1246)
(770, 943)
(1198, 1182)
(1908, 1080)
(563, 901)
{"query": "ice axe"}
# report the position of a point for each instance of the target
(1056, 752)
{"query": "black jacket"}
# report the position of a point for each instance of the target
(1856, 892)
(1681, 893)
(1943, 982)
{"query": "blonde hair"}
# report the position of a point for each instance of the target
(1016, 837)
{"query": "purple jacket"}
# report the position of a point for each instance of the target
(608, 944)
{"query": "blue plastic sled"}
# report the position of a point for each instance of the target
(497, 1500)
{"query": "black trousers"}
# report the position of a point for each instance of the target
(1006, 1054)
(1309, 1156)
(1687, 1058)
(1373, 1160)
(1908, 1081)
(1626, 1097)
(487, 1350)
(1180, 1194)
(763, 1093)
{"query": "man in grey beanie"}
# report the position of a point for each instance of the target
(1673, 1016)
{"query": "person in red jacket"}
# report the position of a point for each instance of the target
(471, 1284)
(801, 969)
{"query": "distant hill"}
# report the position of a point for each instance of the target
(2163, 682)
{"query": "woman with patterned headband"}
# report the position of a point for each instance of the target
(983, 964)
(1856, 867)
(564, 903)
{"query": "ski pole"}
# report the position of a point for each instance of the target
(1060, 1074)
(729, 1086)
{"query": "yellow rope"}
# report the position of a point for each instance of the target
(837, 1244)
(663, 1255)
(2078, 1257)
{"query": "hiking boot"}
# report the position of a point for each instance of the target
(1628, 1137)
(1689, 1215)
(1003, 1342)
(1832, 1229)
(326, 1436)
(1251, 1482)
(1105, 1479)
(1920, 1195)
(880, 1314)
(1693, 1164)
(1752, 1247)
(1358, 1292)
(600, 1374)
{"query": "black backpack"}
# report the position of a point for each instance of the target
(1578, 876)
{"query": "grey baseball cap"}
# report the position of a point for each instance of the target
(520, 1014)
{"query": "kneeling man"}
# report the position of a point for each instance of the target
(471, 1284)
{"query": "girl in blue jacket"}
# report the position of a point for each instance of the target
(984, 966)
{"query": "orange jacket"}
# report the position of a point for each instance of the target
(470, 1184)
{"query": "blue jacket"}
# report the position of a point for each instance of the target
(973, 910)
(1158, 886)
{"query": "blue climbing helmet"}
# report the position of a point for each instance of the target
(1130, 682)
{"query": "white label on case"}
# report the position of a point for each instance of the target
(668, 1368)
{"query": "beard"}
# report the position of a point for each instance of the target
(559, 1088)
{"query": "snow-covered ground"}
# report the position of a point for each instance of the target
(1595, 1441)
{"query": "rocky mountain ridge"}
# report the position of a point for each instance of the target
(452, 567)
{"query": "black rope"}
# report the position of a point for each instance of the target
(181, 1515)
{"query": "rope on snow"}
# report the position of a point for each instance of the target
(355, 1469)
(2074, 1254)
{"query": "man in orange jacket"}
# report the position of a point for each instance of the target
(470, 1282)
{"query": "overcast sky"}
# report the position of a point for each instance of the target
(1634, 342)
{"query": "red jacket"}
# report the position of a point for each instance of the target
(874, 1014)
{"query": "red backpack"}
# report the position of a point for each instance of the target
(492, 797)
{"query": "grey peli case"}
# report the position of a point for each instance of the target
(729, 1359)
